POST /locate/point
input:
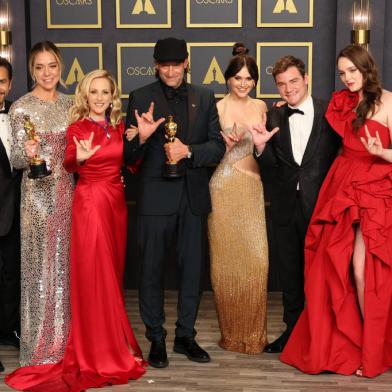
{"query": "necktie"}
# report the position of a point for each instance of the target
(291, 111)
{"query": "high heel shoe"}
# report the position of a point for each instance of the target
(359, 372)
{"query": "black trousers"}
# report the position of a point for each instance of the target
(291, 242)
(155, 236)
(10, 281)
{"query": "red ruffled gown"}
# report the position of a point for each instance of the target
(330, 334)
(101, 348)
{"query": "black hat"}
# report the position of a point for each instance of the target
(170, 49)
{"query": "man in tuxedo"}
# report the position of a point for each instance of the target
(9, 223)
(295, 149)
(172, 208)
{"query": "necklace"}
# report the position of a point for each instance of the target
(105, 127)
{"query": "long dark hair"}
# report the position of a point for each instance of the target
(239, 60)
(371, 88)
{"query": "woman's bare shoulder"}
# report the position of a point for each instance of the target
(220, 103)
(386, 97)
(260, 103)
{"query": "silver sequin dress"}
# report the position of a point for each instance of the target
(45, 231)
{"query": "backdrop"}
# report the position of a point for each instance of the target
(119, 36)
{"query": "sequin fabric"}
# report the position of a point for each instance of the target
(45, 231)
(239, 252)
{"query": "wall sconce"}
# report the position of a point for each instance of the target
(5, 32)
(360, 33)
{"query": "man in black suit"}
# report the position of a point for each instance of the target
(172, 208)
(9, 223)
(296, 155)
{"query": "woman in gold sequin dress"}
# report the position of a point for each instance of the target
(45, 211)
(237, 230)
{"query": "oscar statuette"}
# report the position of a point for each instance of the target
(38, 167)
(171, 169)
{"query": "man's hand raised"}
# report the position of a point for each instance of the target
(146, 123)
(260, 134)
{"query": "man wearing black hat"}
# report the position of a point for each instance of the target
(175, 207)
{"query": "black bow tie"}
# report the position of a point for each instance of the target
(3, 111)
(180, 93)
(291, 111)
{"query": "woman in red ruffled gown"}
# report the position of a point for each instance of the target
(346, 326)
(101, 348)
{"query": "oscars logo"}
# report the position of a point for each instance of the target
(75, 73)
(214, 2)
(214, 73)
(140, 71)
(285, 5)
(70, 2)
(269, 69)
(143, 6)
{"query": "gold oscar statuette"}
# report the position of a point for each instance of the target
(38, 167)
(171, 169)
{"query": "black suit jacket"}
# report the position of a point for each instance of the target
(160, 196)
(277, 164)
(9, 189)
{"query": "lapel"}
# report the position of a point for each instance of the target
(4, 158)
(164, 110)
(285, 136)
(314, 134)
(193, 107)
(4, 161)
(7, 106)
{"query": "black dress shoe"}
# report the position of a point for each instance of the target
(1, 367)
(158, 356)
(10, 340)
(278, 345)
(189, 347)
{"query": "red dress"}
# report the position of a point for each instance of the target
(101, 348)
(330, 334)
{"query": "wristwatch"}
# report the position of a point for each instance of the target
(190, 152)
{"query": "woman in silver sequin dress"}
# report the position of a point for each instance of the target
(237, 230)
(45, 211)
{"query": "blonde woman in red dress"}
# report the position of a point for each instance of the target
(101, 349)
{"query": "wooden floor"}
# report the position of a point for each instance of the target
(227, 372)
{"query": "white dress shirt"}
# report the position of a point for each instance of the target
(300, 128)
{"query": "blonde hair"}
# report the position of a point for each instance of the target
(50, 47)
(81, 110)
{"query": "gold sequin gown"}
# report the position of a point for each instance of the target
(239, 251)
(45, 231)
